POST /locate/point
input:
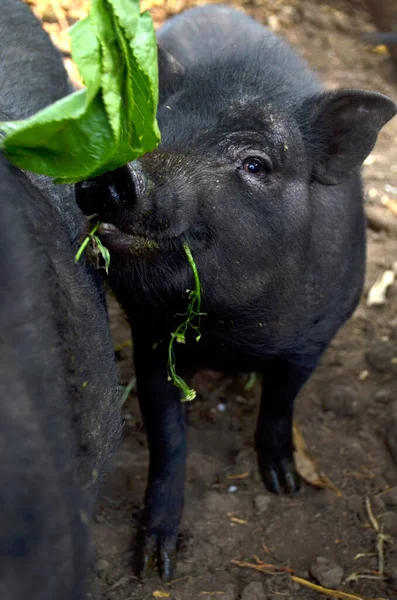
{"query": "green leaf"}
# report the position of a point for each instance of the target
(110, 122)
(113, 70)
(86, 53)
(104, 252)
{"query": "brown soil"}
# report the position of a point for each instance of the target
(347, 413)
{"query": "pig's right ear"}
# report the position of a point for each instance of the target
(341, 129)
(170, 70)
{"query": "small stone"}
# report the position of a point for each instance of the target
(261, 503)
(342, 400)
(253, 591)
(101, 566)
(378, 504)
(201, 466)
(215, 502)
(357, 507)
(389, 475)
(128, 557)
(326, 572)
(384, 395)
(391, 433)
(389, 498)
(380, 357)
(184, 568)
(391, 560)
(324, 498)
(99, 519)
(389, 522)
(229, 593)
(245, 459)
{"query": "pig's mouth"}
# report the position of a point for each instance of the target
(116, 240)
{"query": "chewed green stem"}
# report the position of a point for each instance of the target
(193, 266)
(179, 335)
(91, 237)
(85, 243)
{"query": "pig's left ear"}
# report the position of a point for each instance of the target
(170, 70)
(341, 130)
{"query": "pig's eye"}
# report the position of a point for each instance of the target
(254, 166)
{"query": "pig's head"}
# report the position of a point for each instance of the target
(246, 154)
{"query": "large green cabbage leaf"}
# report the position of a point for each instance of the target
(113, 119)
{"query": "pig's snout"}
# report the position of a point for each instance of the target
(154, 196)
(112, 193)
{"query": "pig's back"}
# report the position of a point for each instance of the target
(32, 74)
(206, 33)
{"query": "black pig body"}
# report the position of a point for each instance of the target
(258, 170)
(59, 395)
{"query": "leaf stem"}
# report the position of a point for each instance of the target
(193, 266)
(179, 335)
(85, 243)
(102, 249)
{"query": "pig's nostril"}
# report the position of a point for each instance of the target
(113, 193)
(87, 193)
(120, 186)
(106, 193)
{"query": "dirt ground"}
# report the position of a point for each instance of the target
(347, 413)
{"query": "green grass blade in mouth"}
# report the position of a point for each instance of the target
(91, 237)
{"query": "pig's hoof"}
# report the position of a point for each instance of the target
(159, 555)
(279, 477)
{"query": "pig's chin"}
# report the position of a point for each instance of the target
(116, 240)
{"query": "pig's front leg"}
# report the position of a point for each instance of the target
(282, 382)
(165, 421)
